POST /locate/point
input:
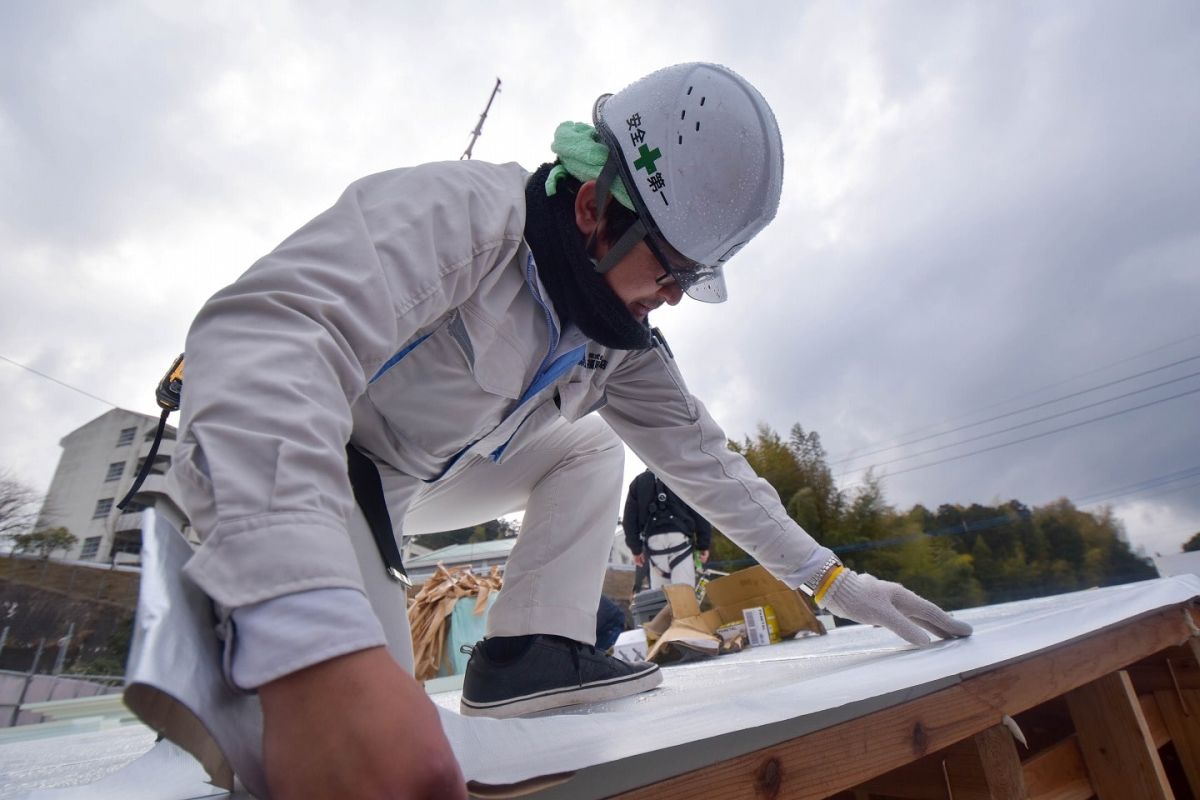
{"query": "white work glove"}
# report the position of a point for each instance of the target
(864, 598)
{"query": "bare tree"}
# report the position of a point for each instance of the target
(19, 505)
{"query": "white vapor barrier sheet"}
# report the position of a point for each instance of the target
(716, 709)
(163, 773)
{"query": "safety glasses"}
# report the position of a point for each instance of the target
(677, 267)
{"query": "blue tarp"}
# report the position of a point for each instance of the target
(466, 627)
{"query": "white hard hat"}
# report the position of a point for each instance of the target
(701, 155)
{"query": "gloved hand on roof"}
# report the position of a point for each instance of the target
(864, 598)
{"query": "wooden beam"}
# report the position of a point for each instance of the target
(1181, 715)
(1154, 720)
(1115, 741)
(882, 741)
(1170, 672)
(983, 767)
(1058, 773)
(1000, 766)
(1180, 652)
(919, 780)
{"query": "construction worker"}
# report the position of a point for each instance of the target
(457, 324)
(663, 532)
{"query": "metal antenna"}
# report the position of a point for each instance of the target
(475, 134)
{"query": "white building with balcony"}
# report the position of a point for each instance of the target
(98, 465)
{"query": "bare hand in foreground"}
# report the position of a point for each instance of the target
(355, 726)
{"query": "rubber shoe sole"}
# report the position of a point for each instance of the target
(596, 692)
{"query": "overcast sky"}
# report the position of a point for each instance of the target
(986, 207)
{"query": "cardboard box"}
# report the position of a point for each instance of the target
(682, 625)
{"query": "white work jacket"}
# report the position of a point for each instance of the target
(410, 319)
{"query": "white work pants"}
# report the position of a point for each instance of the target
(568, 480)
(661, 572)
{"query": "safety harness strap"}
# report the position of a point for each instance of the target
(684, 549)
(148, 464)
(368, 492)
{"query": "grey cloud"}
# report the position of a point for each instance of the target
(994, 250)
(1019, 207)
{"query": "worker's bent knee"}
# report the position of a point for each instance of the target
(592, 435)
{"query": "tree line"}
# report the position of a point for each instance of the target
(958, 556)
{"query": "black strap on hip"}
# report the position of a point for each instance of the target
(148, 463)
(368, 492)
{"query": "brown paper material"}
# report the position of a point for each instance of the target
(682, 623)
(428, 611)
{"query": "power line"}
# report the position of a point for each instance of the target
(1037, 435)
(1142, 485)
(1018, 396)
(1030, 408)
(1166, 491)
(1012, 428)
(951, 530)
(56, 380)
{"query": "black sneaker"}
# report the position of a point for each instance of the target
(552, 672)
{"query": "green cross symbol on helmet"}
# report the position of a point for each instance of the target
(718, 169)
(646, 158)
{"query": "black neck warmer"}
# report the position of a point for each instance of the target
(579, 293)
